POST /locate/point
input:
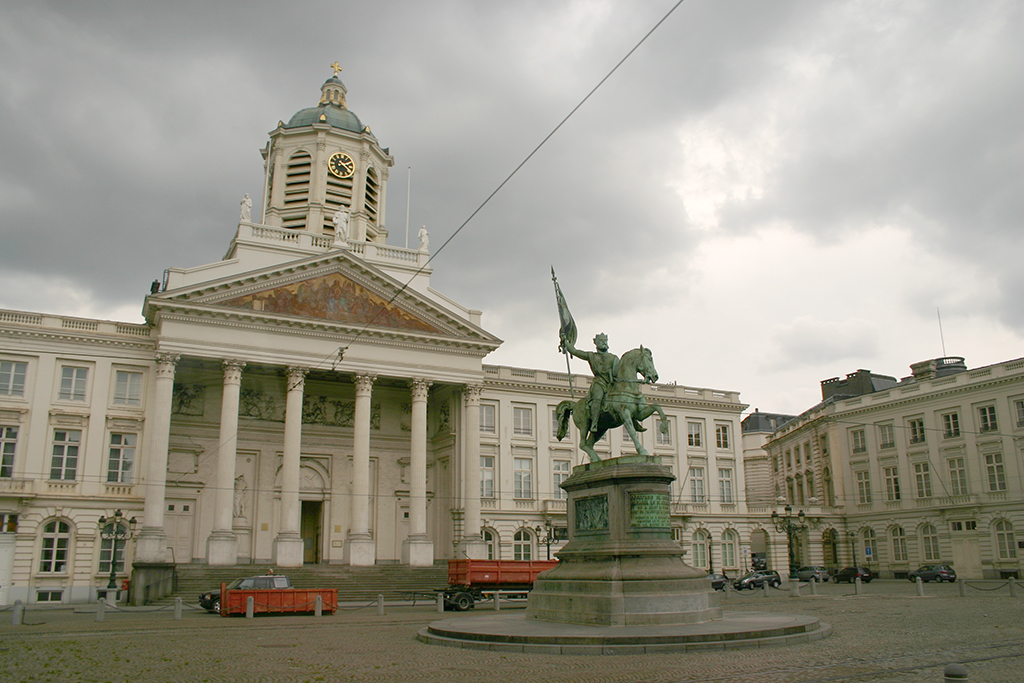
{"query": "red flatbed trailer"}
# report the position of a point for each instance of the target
(469, 579)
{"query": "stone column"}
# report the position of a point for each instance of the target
(418, 549)
(288, 544)
(360, 550)
(151, 543)
(472, 544)
(222, 544)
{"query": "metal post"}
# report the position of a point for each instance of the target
(380, 604)
(920, 587)
(764, 587)
(954, 673)
(1013, 587)
(18, 613)
(856, 586)
(497, 601)
(101, 606)
(440, 603)
(318, 609)
(250, 607)
(177, 609)
(963, 587)
(814, 585)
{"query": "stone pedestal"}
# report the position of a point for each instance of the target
(288, 549)
(621, 566)
(360, 551)
(222, 548)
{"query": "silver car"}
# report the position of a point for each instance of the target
(808, 573)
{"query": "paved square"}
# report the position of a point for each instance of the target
(888, 634)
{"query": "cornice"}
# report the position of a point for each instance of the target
(62, 336)
(939, 394)
(317, 328)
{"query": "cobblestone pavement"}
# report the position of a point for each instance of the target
(887, 634)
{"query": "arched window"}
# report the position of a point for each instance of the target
(107, 545)
(870, 545)
(491, 539)
(1005, 542)
(729, 553)
(53, 557)
(899, 544)
(930, 543)
(522, 545)
(699, 548)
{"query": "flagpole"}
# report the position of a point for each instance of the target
(562, 306)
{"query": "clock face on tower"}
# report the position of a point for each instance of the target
(341, 165)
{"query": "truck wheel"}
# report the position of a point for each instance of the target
(216, 606)
(463, 601)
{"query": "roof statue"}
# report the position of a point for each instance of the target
(614, 397)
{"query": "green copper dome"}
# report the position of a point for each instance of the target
(331, 110)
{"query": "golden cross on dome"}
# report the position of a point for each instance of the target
(337, 68)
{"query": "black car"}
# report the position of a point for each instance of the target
(757, 579)
(718, 581)
(210, 600)
(934, 572)
(851, 574)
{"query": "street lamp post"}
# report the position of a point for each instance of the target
(790, 526)
(548, 531)
(114, 530)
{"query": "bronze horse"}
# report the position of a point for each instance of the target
(624, 404)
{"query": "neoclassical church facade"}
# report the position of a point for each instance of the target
(311, 399)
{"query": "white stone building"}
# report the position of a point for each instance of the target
(309, 399)
(893, 475)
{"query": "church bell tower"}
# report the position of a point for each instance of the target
(322, 161)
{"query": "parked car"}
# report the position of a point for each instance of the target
(934, 572)
(210, 600)
(807, 573)
(757, 579)
(718, 581)
(851, 574)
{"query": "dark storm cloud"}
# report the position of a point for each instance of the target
(131, 131)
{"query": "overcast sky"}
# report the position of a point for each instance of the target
(767, 194)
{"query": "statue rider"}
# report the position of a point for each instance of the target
(604, 365)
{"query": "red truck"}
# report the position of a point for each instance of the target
(468, 580)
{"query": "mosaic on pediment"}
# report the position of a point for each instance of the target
(331, 297)
(188, 399)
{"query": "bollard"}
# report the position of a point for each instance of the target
(814, 585)
(764, 586)
(250, 607)
(380, 604)
(101, 608)
(920, 586)
(794, 588)
(725, 590)
(18, 614)
(856, 586)
(963, 588)
(497, 601)
(1013, 587)
(954, 673)
(440, 603)
(177, 609)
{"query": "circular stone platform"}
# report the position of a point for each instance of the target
(516, 633)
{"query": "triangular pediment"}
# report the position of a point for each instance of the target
(340, 292)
